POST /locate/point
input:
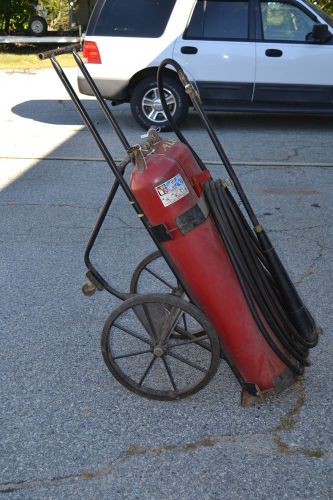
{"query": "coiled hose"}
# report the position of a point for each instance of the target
(259, 288)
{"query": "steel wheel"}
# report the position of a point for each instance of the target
(141, 352)
(153, 275)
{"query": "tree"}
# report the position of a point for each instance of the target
(326, 5)
(14, 14)
(58, 13)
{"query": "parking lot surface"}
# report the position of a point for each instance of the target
(70, 430)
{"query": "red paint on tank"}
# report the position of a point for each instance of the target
(203, 262)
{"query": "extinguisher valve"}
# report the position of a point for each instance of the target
(137, 152)
(137, 157)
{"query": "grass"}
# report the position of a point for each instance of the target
(24, 56)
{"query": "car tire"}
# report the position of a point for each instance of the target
(37, 26)
(146, 105)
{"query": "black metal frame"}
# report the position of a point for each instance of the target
(95, 279)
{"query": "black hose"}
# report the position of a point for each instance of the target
(170, 118)
(271, 296)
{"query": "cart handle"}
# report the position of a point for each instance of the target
(62, 50)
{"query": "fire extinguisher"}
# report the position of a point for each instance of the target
(169, 185)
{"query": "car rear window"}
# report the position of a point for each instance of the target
(130, 18)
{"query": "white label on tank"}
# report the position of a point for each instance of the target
(172, 190)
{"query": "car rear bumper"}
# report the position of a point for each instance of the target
(114, 90)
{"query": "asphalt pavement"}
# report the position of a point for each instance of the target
(68, 428)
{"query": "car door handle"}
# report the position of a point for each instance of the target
(188, 50)
(273, 53)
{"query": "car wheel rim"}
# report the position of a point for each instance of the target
(152, 107)
(36, 26)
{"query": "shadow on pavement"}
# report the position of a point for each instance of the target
(63, 112)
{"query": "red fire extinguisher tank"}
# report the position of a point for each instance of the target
(165, 184)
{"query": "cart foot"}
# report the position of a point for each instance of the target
(248, 399)
(92, 285)
(88, 289)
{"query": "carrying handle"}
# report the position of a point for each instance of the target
(62, 50)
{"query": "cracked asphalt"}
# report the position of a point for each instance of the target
(68, 429)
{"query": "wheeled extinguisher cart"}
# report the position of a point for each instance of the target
(227, 296)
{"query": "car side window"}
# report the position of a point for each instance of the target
(219, 20)
(136, 18)
(284, 21)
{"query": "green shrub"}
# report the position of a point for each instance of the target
(15, 14)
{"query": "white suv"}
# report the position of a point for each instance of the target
(244, 55)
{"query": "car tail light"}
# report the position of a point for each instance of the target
(91, 53)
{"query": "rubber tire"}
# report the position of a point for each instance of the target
(171, 84)
(42, 21)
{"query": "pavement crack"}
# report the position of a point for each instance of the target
(122, 221)
(58, 481)
(312, 267)
(107, 470)
(259, 443)
(292, 155)
(288, 422)
(206, 442)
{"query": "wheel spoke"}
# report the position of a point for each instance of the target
(186, 361)
(147, 101)
(190, 335)
(172, 380)
(186, 342)
(162, 280)
(196, 339)
(184, 321)
(153, 114)
(147, 370)
(132, 354)
(170, 100)
(136, 335)
(156, 94)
